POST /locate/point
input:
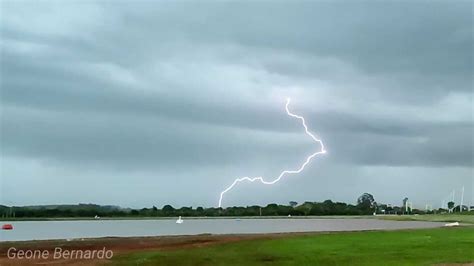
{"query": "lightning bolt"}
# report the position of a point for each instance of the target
(282, 174)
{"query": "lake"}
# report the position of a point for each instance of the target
(43, 230)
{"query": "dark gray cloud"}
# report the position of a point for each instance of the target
(185, 95)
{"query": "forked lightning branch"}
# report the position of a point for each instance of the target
(285, 172)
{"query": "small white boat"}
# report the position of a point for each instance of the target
(179, 221)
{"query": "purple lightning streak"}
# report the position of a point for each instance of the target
(308, 160)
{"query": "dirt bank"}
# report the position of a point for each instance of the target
(118, 245)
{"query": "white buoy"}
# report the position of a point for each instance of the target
(179, 221)
(452, 224)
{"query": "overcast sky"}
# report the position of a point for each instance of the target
(140, 103)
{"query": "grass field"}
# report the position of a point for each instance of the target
(407, 247)
(462, 218)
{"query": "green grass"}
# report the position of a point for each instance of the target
(407, 247)
(462, 218)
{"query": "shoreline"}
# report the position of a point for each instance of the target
(2, 220)
(414, 217)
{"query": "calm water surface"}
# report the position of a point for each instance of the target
(41, 230)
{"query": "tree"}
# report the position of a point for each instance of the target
(450, 205)
(405, 206)
(186, 211)
(305, 208)
(366, 202)
(293, 203)
(405, 200)
(271, 209)
(168, 210)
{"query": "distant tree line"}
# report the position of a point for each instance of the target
(366, 205)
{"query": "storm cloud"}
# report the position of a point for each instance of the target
(141, 103)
